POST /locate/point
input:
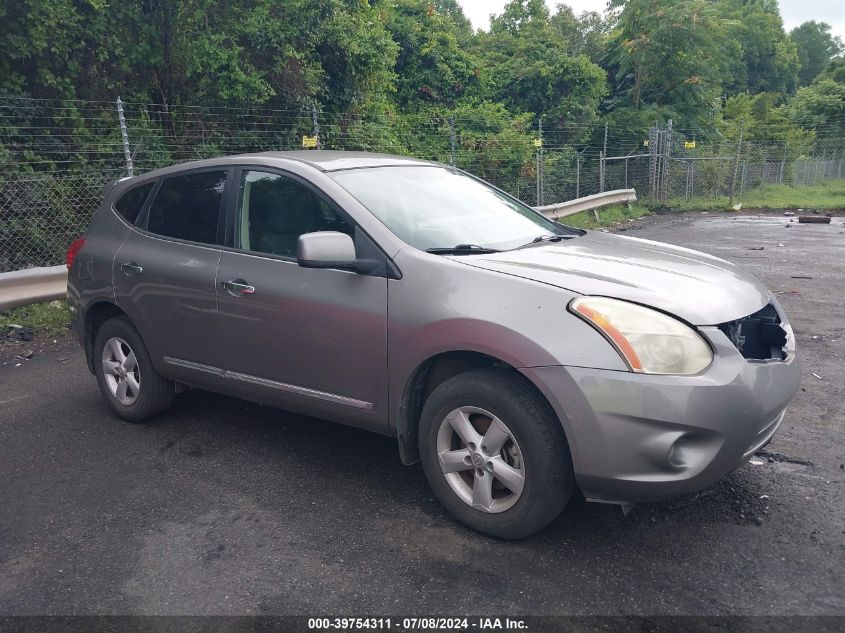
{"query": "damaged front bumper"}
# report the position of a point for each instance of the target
(637, 437)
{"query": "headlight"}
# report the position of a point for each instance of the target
(649, 341)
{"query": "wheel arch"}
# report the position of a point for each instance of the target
(427, 376)
(95, 315)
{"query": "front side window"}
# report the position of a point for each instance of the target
(130, 203)
(273, 211)
(433, 207)
(187, 207)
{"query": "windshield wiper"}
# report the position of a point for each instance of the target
(462, 249)
(540, 239)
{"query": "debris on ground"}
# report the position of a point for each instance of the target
(773, 457)
(801, 277)
(789, 213)
(755, 248)
(781, 245)
(816, 375)
(25, 354)
(814, 219)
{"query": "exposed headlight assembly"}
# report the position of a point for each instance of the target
(649, 341)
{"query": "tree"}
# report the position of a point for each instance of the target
(820, 107)
(760, 57)
(518, 15)
(759, 119)
(835, 70)
(816, 46)
(432, 67)
(213, 52)
(584, 34)
(668, 54)
(528, 67)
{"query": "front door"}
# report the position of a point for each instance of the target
(313, 340)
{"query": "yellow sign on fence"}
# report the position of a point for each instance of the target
(538, 142)
(309, 141)
(689, 144)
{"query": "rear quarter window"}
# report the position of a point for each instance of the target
(188, 207)
(129, 205)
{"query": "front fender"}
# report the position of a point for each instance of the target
(440, 305)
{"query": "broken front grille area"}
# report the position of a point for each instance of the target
(759, 336)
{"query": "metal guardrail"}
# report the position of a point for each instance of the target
(33, 285)
(587, 203)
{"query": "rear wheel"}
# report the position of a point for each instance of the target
(125, 374)
(494, 453)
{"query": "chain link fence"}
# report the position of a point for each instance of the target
(56, 158)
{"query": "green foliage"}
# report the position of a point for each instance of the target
(828, 196)
(816, 47)
(432, 66)
(667, 53)
(494, 143)
(213, 52)
(388, 75)
(820, 107)
(44, 319)
(835, 70)
(610, 216)
(584, 34)
(530, 69)
(760, 56)
(758, 117)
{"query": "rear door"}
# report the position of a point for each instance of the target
(313, 340)
(165, 271)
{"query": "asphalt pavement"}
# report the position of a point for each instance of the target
(224, 507)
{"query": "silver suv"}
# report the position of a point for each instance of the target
(514, 356)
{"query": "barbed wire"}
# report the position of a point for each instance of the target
(56, 156)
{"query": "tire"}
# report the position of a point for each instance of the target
(535, 448)
(146, 393)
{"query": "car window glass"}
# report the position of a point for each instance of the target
(274, 211)
(130, 203)
(187, 207)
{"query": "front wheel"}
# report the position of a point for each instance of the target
(494, 453)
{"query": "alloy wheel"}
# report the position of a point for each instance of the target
(120, 371)
(480, 459)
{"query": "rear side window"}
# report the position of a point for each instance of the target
(130, 203)
(187, 207)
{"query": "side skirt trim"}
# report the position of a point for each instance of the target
(271, 384)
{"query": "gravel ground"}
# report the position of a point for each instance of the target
(223, 507)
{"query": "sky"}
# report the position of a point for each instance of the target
(794, 12)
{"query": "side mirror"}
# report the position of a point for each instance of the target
(326, 249)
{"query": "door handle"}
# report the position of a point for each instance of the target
(237, 287)
(130, 269)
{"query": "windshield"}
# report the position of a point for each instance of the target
(431, 207)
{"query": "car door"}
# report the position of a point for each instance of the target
(312, 340)
(165, 273)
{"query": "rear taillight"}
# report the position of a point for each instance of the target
(73, 249)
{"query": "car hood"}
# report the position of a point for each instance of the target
(699, 288)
